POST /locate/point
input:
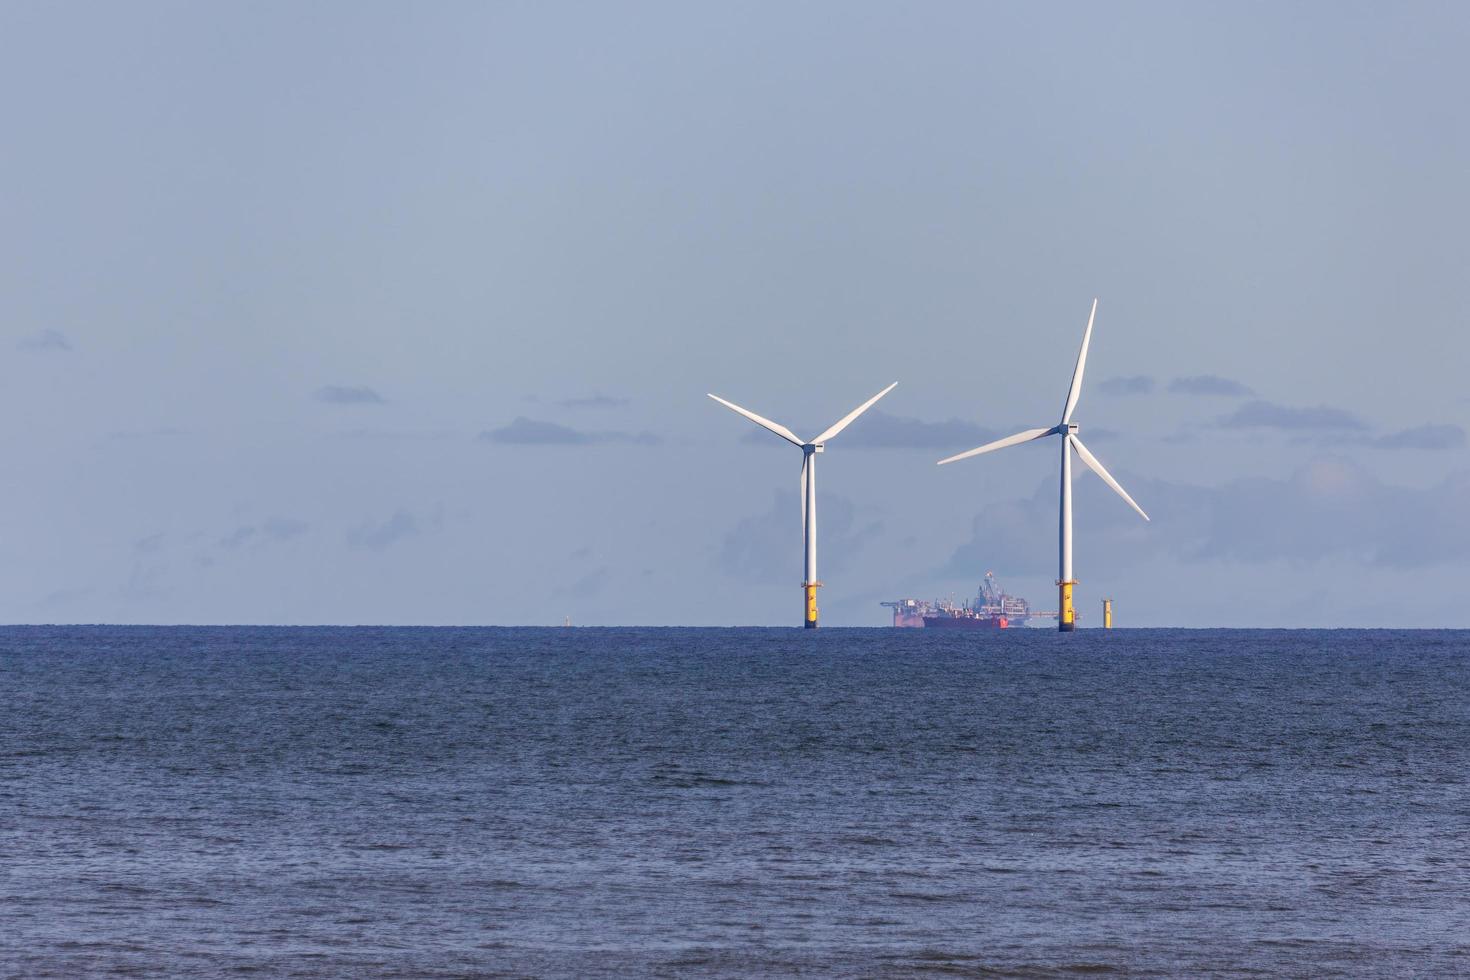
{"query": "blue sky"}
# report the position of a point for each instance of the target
(406, 313)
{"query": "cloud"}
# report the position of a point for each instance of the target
(348, 395)
(45, 340)
(588, 585)
(271, 529)
(1267, 415)
(597, 400)
(1333, 507)
(1140, 384)
(1340, 426)
(149, 545)
(283, 528)
(531, 432)
(237, 537)
(879, 430)
(1209, 384)
(768, 546)
(380, 537)
(1424, 437)
(143, 582)
(1330, 508)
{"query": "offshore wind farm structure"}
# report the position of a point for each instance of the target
(1067, 429)
(809, 452)
(1066, 614)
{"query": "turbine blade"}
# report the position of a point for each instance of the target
(1107, 477)
(846, 419)
(1076, 389)
(1019, 437)
(780, 430)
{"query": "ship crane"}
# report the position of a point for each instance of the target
(992, 608)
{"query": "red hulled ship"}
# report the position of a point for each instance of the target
(991, 608)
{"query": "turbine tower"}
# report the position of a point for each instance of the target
(809, 452)
(1067, 429)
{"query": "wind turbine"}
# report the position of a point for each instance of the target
(1066, 619)
(809, 451)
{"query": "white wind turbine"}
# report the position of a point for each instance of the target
(809, 451)
(1066, 619)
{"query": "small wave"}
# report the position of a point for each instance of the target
(928, 896)
(1089, 968)
(681, 779)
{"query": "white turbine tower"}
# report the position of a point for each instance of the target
(1066, 619)
(809, 451)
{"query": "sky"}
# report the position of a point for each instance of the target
(406, 313)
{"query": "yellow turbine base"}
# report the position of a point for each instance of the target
(810, 588)
(1066, 615)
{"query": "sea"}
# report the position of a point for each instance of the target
(578, 802)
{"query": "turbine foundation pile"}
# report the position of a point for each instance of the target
(1066, 616)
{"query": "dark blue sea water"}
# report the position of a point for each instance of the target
(585, 802)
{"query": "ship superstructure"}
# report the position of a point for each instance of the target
(992, 608)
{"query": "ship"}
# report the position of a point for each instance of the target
(992, 608)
